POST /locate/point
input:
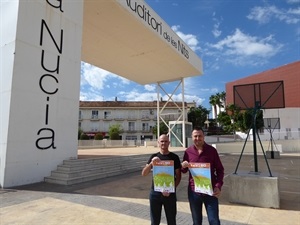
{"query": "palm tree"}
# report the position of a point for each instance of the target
(222, 97)
(213, 101)
(217, 101)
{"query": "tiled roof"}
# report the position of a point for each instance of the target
(128, 104)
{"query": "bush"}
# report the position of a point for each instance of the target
(98, 136)
(80, 132)
(84, 137)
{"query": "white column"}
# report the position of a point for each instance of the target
(40, 85)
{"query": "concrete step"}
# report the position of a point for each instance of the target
(82, 179)
(76, 171)
(68, 166)
(95, 169)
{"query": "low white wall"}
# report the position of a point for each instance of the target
(285, 146)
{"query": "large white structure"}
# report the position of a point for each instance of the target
(42, 45)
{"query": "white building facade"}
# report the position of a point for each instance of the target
(137, 119)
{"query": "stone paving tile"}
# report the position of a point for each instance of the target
(123, 200)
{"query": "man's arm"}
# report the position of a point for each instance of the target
(146, 170)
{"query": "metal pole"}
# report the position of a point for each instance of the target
(183, 115)
(254, 139)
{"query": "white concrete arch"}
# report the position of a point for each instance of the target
(42, 44)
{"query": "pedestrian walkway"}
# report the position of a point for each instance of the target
(123, 200)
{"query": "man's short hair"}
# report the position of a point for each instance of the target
(198, 129)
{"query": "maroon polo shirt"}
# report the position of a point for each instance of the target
(208, 155)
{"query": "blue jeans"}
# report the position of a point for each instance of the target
(211, 205)
(157, 200)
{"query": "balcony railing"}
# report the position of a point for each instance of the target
(94, 117)
(119, 118)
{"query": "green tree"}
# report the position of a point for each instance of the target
(248, 120)
(231, 120)
(163, 129)
(114, 131)
(234, 119)
(225, 122)
(114, 136)
(197, 116)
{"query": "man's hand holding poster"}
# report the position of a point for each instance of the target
(202, 177)
(163, 176)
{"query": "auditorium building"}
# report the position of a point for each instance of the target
(287, 126)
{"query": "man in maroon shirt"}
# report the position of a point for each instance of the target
(201, 152)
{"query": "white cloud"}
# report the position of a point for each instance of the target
(189, 39)
(97, 77)
(216, 31)
(245, 46)
(93, 76)
(293, 1)
(149, 87)
(122, 79)
(135, 95)
(264, 15)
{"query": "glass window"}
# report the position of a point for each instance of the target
(107, 114)
(145, 127)
(131, 126)
(94, 114)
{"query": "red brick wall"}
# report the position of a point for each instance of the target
(290, 74)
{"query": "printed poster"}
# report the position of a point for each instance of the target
(163, 176)
(202, 177)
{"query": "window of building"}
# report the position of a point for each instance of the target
(94, 114)
(131, 126)
(107, 115)
(80, 114)
(145, 127)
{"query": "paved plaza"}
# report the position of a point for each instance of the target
(123, 200)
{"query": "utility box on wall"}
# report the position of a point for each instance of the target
(177, 137)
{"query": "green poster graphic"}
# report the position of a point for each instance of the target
(163, 176)
(202, 177)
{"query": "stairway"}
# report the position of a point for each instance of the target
(76, 171)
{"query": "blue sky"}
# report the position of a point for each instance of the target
(234, 39)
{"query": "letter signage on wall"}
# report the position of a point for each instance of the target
(143, 12)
